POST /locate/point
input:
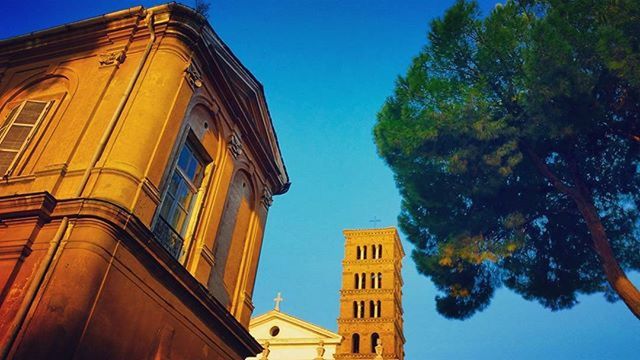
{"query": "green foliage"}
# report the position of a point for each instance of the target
(561, 78)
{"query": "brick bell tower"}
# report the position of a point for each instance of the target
(370, 319)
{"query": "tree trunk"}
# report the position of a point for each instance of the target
(581, 195)
(612, 270)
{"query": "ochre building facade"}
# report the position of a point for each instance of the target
(370, 320)
(137, 165)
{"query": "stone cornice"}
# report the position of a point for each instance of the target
(370, 261)
(386, 320)
(367, 291)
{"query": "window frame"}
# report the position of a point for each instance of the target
(191, 141)
(12, 115)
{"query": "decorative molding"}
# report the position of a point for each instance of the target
(208, 256)
(267, 197)
(367, 320)
(366, 291)
(369, 261)
(111, 58)
(235, 145)
(194, 77)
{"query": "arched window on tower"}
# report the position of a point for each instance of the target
(379, 251)
(363, 281)
(379, 280)
(355, 343)
(374, 253)
(373, 280)
(378, 308)
(356, 280)
(364, 252)
(355, 309)
(374, 341)
(361, 310)
(372, 309)
(358, 253)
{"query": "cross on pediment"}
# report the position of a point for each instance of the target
(278, 299)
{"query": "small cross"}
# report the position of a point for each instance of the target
(375, 220)
(278, 300)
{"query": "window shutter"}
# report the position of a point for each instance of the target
(17, 130)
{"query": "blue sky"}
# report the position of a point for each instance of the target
(327, 67)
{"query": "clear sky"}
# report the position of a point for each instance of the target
(327, 66)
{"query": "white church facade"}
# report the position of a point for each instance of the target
(285, 337)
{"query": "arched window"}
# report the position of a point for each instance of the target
(356, 280)
(373, 280)
(232, 233)
(355, 309)
(361, 310)
(378, 309)
(358, 253)
(355, 343)
(177, 208)
(379, 280)
(372, 309)
(379, 251)
(364, 252)
(363, 281)
(374, 341)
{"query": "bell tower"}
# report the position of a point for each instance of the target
(370, 319)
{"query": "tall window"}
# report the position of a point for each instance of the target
(363, 281)
(358, 253)
(355, 309)
(364, 252)
(373, 280)
(374, 341)
(378, 309)
(17, 130)
(380, 251)
(372, 310)
(361, 309)
(355, 343)
(177, 205)
(356, 280)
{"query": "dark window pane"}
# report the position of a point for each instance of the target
(167, 204)
(176, 179)
(15, 137)
(184, 196)
(30, 112)
(6, 157)
(185, 158)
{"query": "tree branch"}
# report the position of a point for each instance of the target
(546, 172)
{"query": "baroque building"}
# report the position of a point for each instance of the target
(137, 165)
(370, 320)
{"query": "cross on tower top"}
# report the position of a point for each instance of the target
(278, 299)
(375, 220)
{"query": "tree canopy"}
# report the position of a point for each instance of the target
(515, 141)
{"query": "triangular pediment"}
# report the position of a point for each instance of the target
(289, 329)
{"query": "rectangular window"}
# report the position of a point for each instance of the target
(17, 130)
(179, 197)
